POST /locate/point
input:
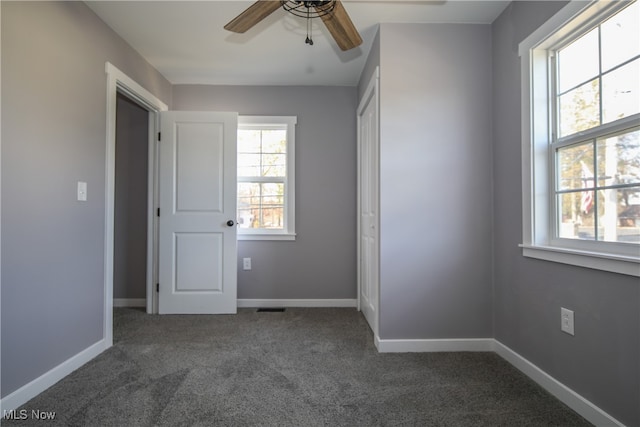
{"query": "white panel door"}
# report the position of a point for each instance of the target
(197, 231)
(368, 269)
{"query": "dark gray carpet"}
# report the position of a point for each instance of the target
(303, 367)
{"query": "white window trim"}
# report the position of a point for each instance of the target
(538, 237)
(289, 230)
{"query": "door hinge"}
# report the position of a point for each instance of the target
(157, 287)
(159, 136)
(158, 212)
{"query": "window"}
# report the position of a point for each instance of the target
(581, 137)
(266, 206)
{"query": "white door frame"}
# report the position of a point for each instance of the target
(117, 81)
(371, 94)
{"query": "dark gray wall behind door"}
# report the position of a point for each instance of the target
(130, 228)
(53, 135)
(602, 361)
(321, 262)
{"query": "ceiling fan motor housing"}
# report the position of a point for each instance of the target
(312, 3)
(308, 8)
(333, 14)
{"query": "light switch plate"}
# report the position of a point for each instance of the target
(82, 191)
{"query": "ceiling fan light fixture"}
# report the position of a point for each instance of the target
(309, 9)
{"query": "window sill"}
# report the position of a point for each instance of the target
(599, 261)
(282, 237)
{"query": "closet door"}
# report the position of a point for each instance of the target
(368, 204)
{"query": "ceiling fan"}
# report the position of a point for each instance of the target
(332, 13)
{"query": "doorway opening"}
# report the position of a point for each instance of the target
(130, 209)
(119, 84)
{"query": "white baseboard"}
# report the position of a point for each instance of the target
(433, 345)
(46, 380)
(582, 406)
(129, 302)
(312, 303)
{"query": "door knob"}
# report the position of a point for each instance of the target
(230, 223)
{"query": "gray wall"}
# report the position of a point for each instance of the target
(321, 262)
(602, 361)
(373, 61)
(53, 135)
(436, 123)
(435, 182)
(130, 212)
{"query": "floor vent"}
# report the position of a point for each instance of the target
(271, 310)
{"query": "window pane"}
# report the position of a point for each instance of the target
(245, 219)
(578, 62)
(262, 153)
(273, 218)
(248, 141)
(621, 37)
(273, 193)
(249, 164)
(618, 219)
(619, 159)
(261, 205)
(272, 206)
(580, 109)
(274, 141)
(575, 166)
(248, 197)
(576, 214)
(274, 165)
(620, 94)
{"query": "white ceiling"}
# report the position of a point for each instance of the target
(186, 41)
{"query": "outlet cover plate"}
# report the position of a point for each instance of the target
(566, 321)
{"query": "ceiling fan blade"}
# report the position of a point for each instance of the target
(340, 26)
(254, 14)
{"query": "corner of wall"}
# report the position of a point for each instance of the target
(46, 380)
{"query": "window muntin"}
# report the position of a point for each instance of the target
(265, 177)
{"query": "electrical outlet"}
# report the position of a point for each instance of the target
(566, 321)
(246, 263)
